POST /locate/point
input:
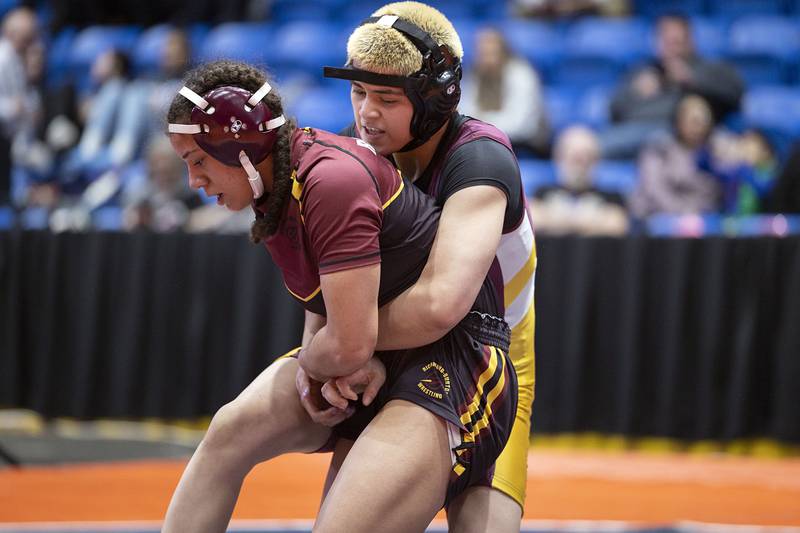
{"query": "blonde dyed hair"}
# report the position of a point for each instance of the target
(389, 51)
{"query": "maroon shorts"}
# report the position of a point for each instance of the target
(467, 379)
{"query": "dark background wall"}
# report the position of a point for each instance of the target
(693, 339)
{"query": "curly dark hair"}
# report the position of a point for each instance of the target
(209, 76)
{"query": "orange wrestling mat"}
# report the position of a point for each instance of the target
(641, 488)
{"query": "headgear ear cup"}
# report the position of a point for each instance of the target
(438, 99)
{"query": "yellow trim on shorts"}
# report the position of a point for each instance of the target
(291, 353)
(493, 394)
(483, 379)
(496, 365)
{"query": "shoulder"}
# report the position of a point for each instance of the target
(339, 159)
(482, 155)
(344, 168)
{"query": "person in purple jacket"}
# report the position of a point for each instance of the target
(349, 235)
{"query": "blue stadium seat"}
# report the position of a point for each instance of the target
(593, 106)
(536, 173)
(561, 105)
(760, 70)
(649, 8)
(95, 40)
(616, 176)
(34, 218)
(620, 39)
(597, 51)
(759, 225)
(357, 10)
(243, 41)
(149, 48)
(773, 107)
(736, 8)
(467, 29)
(455, 8)
(283, 11)
(108, 218)
(324, 108)
(308, 46)
(7, 217)
(7, 5)
(672, 225)
(709, 36)
(58, 54)
(764, 48)
(538, 42)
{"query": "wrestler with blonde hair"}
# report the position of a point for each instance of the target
(404, 66)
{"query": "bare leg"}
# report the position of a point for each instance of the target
(264, 421)
(340, 452)
(395, 477)
(484, 510)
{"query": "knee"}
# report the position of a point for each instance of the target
(232, 430)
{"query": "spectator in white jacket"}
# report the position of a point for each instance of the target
(505, 90)
(19, 32)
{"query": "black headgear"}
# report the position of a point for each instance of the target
(434, 90)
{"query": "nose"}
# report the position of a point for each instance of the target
(196, 180)
(367, 109)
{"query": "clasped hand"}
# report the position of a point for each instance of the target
(329, 403)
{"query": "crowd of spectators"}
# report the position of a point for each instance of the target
(72, 148)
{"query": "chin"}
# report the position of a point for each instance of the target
(237, 205)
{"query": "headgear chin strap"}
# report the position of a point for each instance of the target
(434, 90)
(234, 127)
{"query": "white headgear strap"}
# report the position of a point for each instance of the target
(253, 176)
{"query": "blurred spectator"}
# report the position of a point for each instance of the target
(575, 205)
(19, 32)
(646, 101)
(175, 62)
(786, 194)
(116, 116)
(747, 168)
(569, 8)
(676, 171)
(159, 197)
(32, 159)
(505, 91)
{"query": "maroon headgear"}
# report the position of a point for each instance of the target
(234, 127)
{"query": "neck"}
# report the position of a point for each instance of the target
(414, 163)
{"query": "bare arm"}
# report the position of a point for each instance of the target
(313, 323)
(346, 342)
(466, 242)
